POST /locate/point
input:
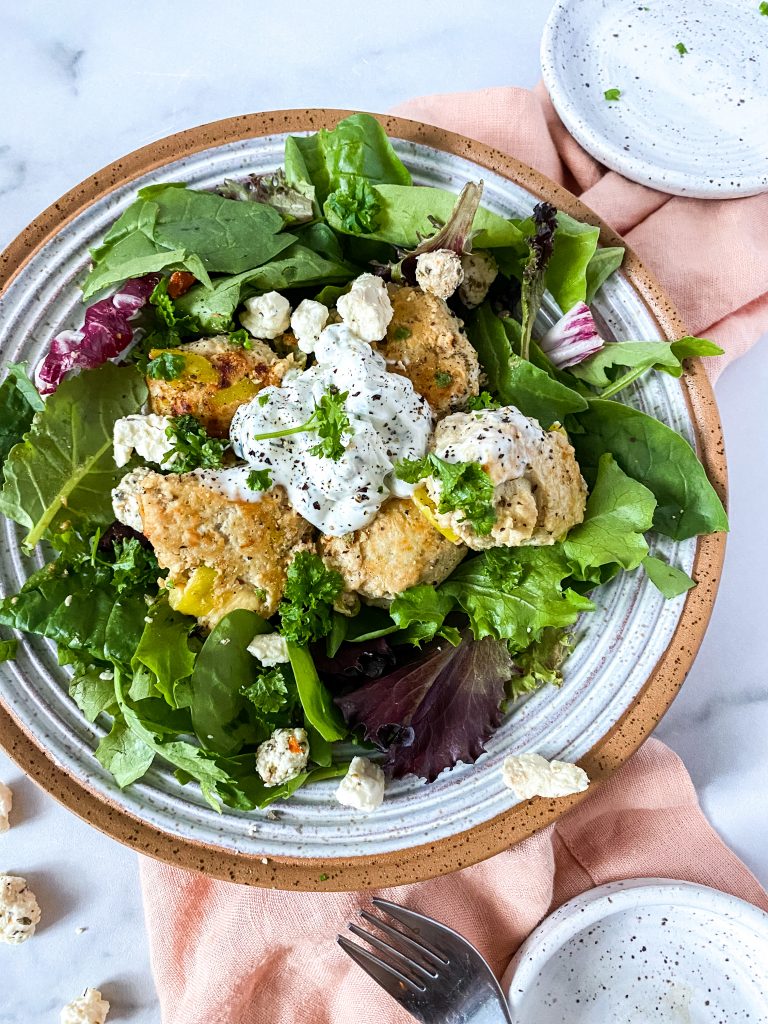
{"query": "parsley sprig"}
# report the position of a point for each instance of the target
(193, 447)
(259, 479)
(166, 366)
(329, 420)
(464, 487)
(307, 605)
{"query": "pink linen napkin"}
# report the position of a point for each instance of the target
(228, 954)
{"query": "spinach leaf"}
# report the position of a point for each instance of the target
(517, 381)
(244, 790)
(222, 669)
(619, 511)
(19, 401)
(92, 688)
(64, 467)
(174, 226)
(650, 451)
(600, 267)
(319, 709)
(670, 580)
(357, 147)
(574, 249)
(164, 648)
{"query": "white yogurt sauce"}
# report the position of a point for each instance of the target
(388, 419)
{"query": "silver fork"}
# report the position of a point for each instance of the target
(431, 970)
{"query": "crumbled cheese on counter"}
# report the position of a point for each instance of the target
(363, 785)
(125, 498)
(19, 910)
(366, 308)
(267, 315)
(283, 756)
(143, 434)
(308, 320)
(89, 1008)
(388, 421)
(270, 648)
(439, 272)
(533, 775)
(480, 271)
(6, 803)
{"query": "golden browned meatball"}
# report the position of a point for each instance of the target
(425, 343)
(398, 550)
(218, 378)
(221, 554)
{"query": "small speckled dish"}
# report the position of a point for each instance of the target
(630, 660)
(644, 951)
(692, 117)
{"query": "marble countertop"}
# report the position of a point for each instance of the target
(84, 84)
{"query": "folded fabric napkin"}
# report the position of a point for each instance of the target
(229, 954)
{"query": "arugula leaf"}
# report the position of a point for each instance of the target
(315, 699)
(123, 753)
(354, 206)
(329, 419)
(641, 356)
(540, 250)
(19, 401)
(193, 447)
(356, 148)
(307, 604)
(222, 669)
(518, 381)
(650, 451)
(600, 267)
(298, 266)
(8, 649)
(92, 688)
(619, 511)
(514, 594)
(164, 649)
(175, 227)
(670, 580)
(464, 487)
(65, 467)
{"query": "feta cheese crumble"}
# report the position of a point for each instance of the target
(19, 910)
(307, 321)
(125, 498)
(366, 308)
(480, 271)
(270, 648)
(439, 273)
(6, 803)
(89, 1008)
(283, 756)
(143, 434)
(363, 785)
(267, 315)
(533, 775)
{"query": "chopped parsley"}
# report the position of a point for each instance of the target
(192, 448)
(443, 379)
(268, 693)
(166, 366)
(764, 7)
(612, 95)
(681, 48)
(329, 420)
(306, 611)
(401, 332)
(240, 338)
(263, 399)
(485, 400)
(259, 479)
(464, 487)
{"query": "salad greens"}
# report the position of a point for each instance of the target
(426, 679)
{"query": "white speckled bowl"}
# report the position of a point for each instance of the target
(633, 652)
(644, 951)
(694, 124)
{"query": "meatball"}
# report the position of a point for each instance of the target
(425, 343)
(221, 554)
(398, 550)
(539, 493)
(219, 377)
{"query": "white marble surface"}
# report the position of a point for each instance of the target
(83, 84)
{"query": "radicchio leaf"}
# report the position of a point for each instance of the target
(369, 660)
(573, 338)
(106, 332)
(434, 712)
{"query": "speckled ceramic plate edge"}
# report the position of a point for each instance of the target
(482, 841)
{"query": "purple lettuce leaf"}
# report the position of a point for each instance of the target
(434, 712)
(573, 338)
(106, 332)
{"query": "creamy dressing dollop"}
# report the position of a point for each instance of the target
(388, 420)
